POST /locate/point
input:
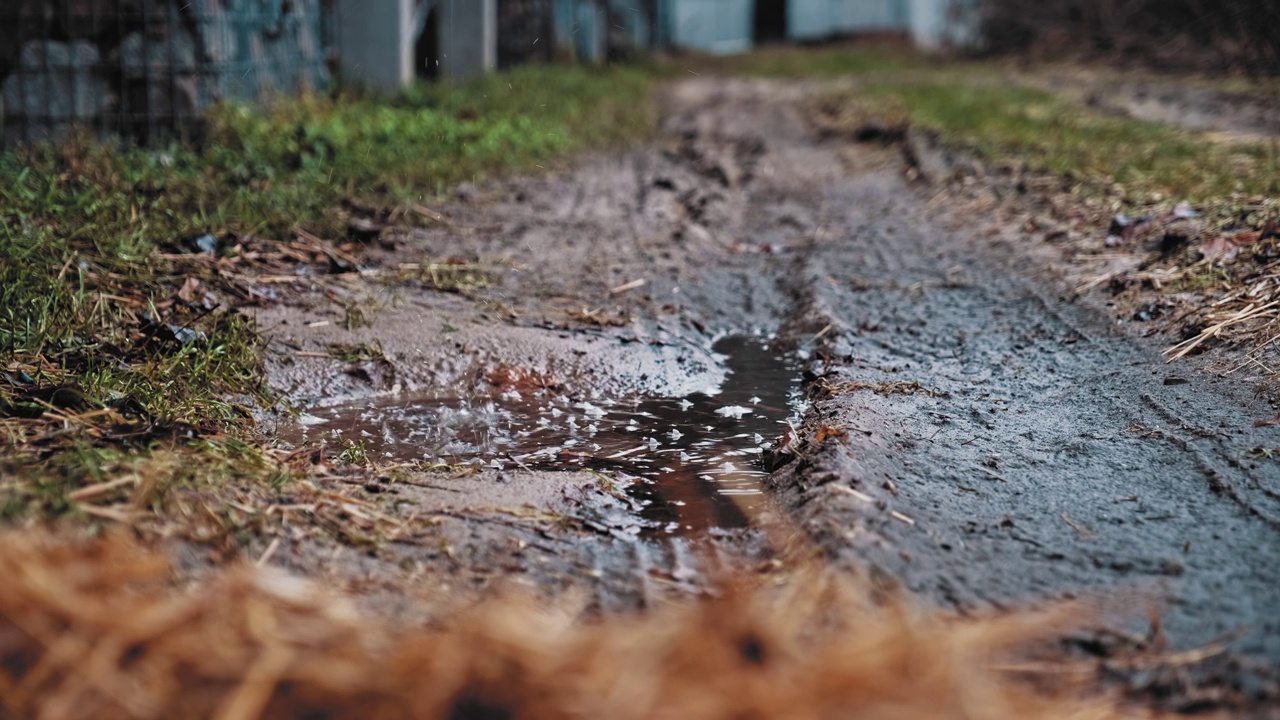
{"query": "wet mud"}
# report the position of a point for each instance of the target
(692, 463)
(972, 436)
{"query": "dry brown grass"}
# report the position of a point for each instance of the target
(95, 630)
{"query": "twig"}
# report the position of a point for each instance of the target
(93, 491)
(1181, 349)
(266, 554)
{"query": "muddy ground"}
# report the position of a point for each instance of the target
(967, 433)
(1242, 113)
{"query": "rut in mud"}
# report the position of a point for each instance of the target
(971, 435)
(691, 463)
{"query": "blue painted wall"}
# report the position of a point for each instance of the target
(719, 27)
(726, 26)
(815, 19)
(938, 24)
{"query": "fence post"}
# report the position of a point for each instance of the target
(375, 41)
(468, 37)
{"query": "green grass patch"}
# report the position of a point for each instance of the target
(310, 153)
(972, 106)
(96, 329)
(1044, 133)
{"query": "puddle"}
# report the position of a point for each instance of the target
(694, 460)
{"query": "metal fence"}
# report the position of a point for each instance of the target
(145, 69)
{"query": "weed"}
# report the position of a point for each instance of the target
(353, 316)
(607, 484)
(354, 454)
(453, 470)
(913, 387)
(456, 277)
(278, 479)
(359, 352)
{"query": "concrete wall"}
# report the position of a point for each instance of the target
(375, 43)
(101, 66)
(589, 35)
(468, 37)
(712, 26)
(376, 39)
(593, 30)
(816, 19)
(943, 24)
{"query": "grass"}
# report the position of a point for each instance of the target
(108, 319)
(1052, 135)
(831, 60)
(976, 107)
(970, 109)
(427, 139)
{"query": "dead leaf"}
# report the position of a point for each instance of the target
(829, 431)
(1224, 248)
(191, 289)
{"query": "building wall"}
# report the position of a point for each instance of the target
(468, 37)
(726, 26)
(147, 71)
(713, 26)
(374, 42)
(941, 24)
(816, 19)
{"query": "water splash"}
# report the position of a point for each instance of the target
(695, 460)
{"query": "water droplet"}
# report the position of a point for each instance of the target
(592, 411)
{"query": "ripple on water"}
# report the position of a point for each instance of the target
(696, 458)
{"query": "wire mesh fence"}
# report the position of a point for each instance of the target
(145, 69)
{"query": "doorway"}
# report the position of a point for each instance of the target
(426, 48)
(770, 21)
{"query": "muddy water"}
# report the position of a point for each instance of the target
(693, 463)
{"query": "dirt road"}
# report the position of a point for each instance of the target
(969, 434)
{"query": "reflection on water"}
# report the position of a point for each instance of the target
(696, 458)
